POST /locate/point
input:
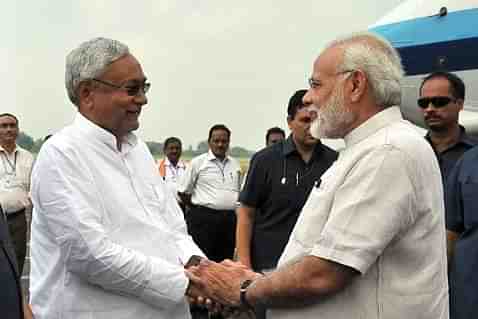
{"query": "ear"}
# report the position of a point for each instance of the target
(86, 94)
(289, 122)
(359, 83)
(460, 103)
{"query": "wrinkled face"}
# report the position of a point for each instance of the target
(274, 138)
(8, 130)
(114, 109)
(219, 143)
(300, 128)
(444, 117)
(326, 95)
(173, 152)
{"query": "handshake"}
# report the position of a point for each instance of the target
(217, 285)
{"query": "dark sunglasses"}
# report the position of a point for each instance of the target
(437, 101)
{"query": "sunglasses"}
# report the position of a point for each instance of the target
(437, 101)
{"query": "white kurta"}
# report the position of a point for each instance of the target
(108, 239)
(379, 209)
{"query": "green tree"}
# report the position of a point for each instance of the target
(25, 141)
(155, 148)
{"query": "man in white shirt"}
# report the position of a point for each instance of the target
(171, 167)
(370, 241)
(210, 186)
(108, 239)
(15, 173)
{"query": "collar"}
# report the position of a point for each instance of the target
(181, 164)
(376, 122)
(212, 157)
(93, 130)
(289, 147)
(462, 139)
(16, 149)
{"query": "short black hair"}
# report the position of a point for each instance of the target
(295, 103)
(11, 115)
(457, 87)
(274, 130)
(219, 127)
(170, 140)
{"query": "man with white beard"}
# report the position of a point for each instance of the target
(370, 240)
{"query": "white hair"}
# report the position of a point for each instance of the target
(89, 61)
(379, 61)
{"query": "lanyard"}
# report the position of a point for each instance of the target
(13, 166)
(222, 168)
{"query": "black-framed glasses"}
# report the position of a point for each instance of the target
(131, 89)
(437, 101)
(313, 83)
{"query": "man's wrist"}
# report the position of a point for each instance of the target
(244, 303)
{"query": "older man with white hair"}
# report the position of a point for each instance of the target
(370, 240)
(108, 238)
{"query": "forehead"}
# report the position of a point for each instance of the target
(7, 119)
(327, 62)
(219, 134)
(436, 87)
(126, 68)
(275, 136)
(173, 145)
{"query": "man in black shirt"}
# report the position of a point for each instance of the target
(278, 183)
(442, 96)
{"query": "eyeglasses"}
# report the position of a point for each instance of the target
(437, 101)
(131, 90)
(313, 83)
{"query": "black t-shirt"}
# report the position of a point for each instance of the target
(277, 185)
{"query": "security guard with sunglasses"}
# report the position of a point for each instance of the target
(442, 95)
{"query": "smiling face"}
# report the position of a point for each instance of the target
(111, 108)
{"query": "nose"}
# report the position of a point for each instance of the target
(307, 99)
(141, 98)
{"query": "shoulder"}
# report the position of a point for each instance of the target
(270, 153)
(24, 153)
(326, 152)
(469, 159)
(199, 160)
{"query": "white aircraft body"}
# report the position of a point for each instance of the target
(430, 36)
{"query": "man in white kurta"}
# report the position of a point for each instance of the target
(370, 240)
(108, 238)
(377, 211)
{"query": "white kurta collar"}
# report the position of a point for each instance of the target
(99, 133)
(372, 125)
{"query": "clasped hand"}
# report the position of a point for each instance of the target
(217, 285)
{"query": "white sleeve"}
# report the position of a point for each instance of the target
(187, 180)
(68, 199)
(374, 204)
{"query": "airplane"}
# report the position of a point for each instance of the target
(435, 36)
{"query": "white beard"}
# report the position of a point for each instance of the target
(332, 117)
